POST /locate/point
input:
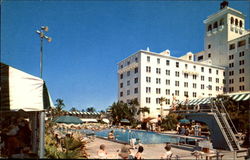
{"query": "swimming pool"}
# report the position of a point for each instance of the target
(146, 137)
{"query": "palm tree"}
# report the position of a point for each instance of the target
(90, 109)
(59, 106)
(143, 110)
(73, 109)
(162, 99)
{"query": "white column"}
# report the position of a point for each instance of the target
(41, 134)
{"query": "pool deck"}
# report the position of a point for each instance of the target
(151, 151)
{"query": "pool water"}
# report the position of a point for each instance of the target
(145, 137)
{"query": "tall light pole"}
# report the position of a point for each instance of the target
(42, 114)
(49, 39)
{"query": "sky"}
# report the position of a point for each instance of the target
(89, 38)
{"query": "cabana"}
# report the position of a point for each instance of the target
(23, 96)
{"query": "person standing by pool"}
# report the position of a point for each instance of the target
(125, 152)
(196, 129)
(138, 155)
(168, 154)
(102, 153)
(111, 135)
(159, 121)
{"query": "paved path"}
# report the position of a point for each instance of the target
(151, 151)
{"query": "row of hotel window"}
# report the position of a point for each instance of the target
(177, 83)
(240, 44)
(241, 54)
(128, 62)
(158, 71)
(241, 88)
(241, 62)
(241, 71)
(167, 91)
(241, 79)
(235, 22)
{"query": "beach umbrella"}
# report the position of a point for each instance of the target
(125, 121)
(186, 121)
(68, 120)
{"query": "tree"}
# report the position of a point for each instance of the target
(143, 111)
(73, 109)
(59, 106)
(83, 110)
(90, 109)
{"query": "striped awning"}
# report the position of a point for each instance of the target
(240, 96)
(196, 101)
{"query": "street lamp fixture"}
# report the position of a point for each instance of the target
(49, 39)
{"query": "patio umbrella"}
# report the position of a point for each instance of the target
(186, 121)
(68, 120)
(125, 121)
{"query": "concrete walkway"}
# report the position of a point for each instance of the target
(151, 151)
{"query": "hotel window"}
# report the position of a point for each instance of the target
(242, 88)
(210, 70)
(194, 76)
(158, 70)
(177, 92)
(128, 73)
(186, 93)
(194, 85)
(208, 46)
(217, 88)
(177, 74)
(209, 55)
(136, 70)
(168, 72)
(221, 22)
(209, 87)
(121, 94)
(242, 79)
(128, 63)
(232, 20)
(241, 70)
(158, 91)
(136, 59)
(217, 80)
(177, 64)
(194, 67)
(241, 24)
(128, 92)
(231, 89)
(148, 99)
(158, 61)
(167, 101)
(148, 89)
(231, 65)
(194, 94)
(136, 80)
(224, 81)
(148, 79)
(148, 69)
(241, 43)
(135, 90)
(157, 100)
(210, 79)
(177, 83)
(200, 58)
(185, 84)
(231, 46)
(121, 66)
(217, 72)
(202, 69)
(202, 78)
(236, 22)
(167, 82)
(231, 57)
(128, 83)
(186, 66)
(167, 91)
(241, 54)
(158, 81)
(121, 76)
(202, 86)
(185, 75)
(167, 62)
(148, 58)
(209, 28)
(241, 62)
(215, 24)
(231, 73)
(231, 81)
(121, 85)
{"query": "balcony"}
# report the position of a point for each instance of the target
(214, 30)
(221, 27)
(209, 33)
(128, 68)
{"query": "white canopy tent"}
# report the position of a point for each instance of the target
(22, 92)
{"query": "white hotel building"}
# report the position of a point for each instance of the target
(148, 76)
